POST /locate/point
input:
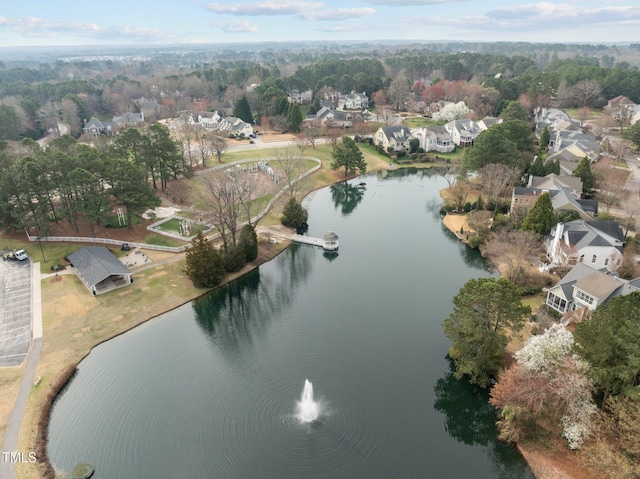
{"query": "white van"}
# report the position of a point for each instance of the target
(20, 255)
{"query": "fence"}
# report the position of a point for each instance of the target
(180, 249)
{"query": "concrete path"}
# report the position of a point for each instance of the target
(10, 444)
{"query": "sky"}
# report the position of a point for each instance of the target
(67, 22)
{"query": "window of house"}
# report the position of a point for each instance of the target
(606, 261)
(581, 259)
(584, 297)
(593, 258)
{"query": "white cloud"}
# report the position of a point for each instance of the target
(236, 27)
(267, 7)
(39, 27)
(564, 14)
(407, 3)
(338, 14)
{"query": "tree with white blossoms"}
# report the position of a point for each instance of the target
(546, 389)
(451, 111)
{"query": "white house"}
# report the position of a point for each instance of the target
(463, 132)
(230, 125)
(353, 101)
(599, 244)
(434, 138)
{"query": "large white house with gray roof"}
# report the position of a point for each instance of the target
(599, 244)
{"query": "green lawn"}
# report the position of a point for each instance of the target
(161, 240)
(420, 121)
(173, 226)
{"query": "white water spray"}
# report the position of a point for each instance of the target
(307, 409)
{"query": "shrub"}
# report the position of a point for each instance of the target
(233, 259)
(474, 241)
(401, 154)
(293, 214)
(248, 242)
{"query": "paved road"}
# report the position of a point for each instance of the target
(15, 311)
(632, 201)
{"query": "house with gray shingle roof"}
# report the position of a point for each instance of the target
(396, 137)
(587, 287)
(99, 270)
(596, 243)
(434, 138)
(96, 127)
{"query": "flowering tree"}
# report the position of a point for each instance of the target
(451, 111)
(546, 389)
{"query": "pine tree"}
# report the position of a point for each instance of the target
(294, 117)
(347, 154)
(204, 265)
(537, 167)
(583, 171)
(541, 218)
(242, 110)
(544, 139)
(293, 214)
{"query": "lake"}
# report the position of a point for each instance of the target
(209, 390)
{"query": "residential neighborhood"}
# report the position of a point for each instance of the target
(189, 189)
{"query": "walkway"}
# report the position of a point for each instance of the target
(10, 444)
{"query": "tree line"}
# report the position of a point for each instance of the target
(74, 182)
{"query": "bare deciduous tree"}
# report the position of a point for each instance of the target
(514, 249)
(219, 146)
(497, 180)
(301, 143)
(291, 168)
(333, 136)
(225, 206)
(204, 147)
(178, 192)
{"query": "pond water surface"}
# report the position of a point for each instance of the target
(209, 390)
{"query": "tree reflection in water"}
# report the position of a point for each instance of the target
(234, 314)
(347, 196)
(472, 422)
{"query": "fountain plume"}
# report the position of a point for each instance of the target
(307, 409)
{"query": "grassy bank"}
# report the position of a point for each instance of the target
(74, 321)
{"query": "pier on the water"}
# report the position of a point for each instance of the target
(329, 241)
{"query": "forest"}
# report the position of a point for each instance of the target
(165, 83)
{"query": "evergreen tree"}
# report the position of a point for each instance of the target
(491, 146)
(541, 218)
(610, 342)
(242, 110)
(633, 134)
(537, 167)
(293, 214)
(515, 111)
(544, 139)
(552, 166)
(294, 117)
(204, 265)
(583, 171)
(248, 241)
(485, 310)
(347, 154)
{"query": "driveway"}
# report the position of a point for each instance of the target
(15, 311)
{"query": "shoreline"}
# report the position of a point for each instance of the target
(57, 385)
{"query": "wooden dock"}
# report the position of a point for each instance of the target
(328, 242)
(308, 240)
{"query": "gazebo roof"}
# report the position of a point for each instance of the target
(330, 236)
(96, 263)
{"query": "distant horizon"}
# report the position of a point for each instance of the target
(63, 23)
(310, 42)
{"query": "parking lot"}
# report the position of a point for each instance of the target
(15, 311)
